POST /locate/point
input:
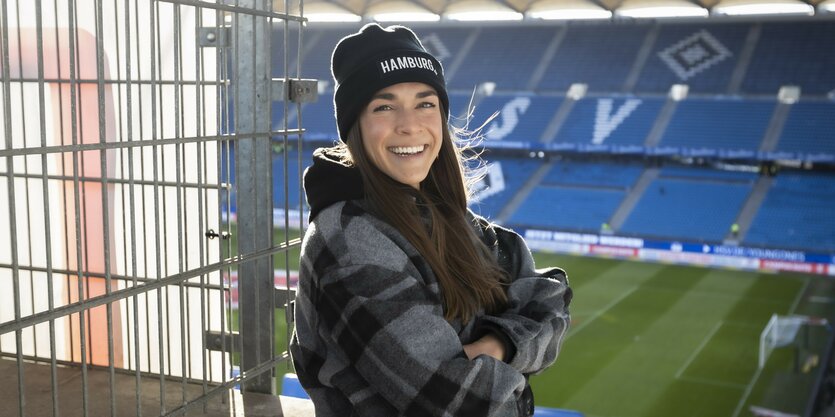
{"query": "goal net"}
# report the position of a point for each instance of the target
(781, 331)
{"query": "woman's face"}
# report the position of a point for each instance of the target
(402, 131)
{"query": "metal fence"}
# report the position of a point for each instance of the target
(130, 128)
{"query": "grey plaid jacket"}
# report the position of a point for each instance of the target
(370, 336)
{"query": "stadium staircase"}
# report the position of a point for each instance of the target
(625, 209)
(523, 193)
(744, 61)
(641, 59)
(749, 210)
(775, 127)
(661, 123)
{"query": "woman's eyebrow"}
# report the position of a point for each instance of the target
(427, 93)
(390, 96)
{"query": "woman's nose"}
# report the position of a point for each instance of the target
(407, 121)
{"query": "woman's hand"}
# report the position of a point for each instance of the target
(489, 345)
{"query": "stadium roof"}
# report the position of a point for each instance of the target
(487, 10)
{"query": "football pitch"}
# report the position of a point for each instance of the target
(668, 340)
(651, 339)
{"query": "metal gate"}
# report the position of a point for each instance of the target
(137, 253)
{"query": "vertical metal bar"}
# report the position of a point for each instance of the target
(61, 139)
(233, 70)
(288, 312)
(108, 283)
(300, 146)
(47, 224)
(254, 197)
(154, 135)
(121, 155)
(145, 239)
(76, 198)
(200, 114)
(163, 214)
(83, 200)
(7, 115)
(222, 109)
(132, 215)
(286, 159)
(181, 220)
(26, 199)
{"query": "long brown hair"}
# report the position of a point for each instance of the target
(469, 276)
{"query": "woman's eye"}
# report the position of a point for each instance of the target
(383, 107)
(427, 105)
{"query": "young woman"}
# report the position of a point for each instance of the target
(408, 303)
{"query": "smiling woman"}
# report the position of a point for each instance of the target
(408, 303)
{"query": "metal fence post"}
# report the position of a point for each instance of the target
(254, 188)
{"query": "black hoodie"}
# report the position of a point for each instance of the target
(329, 181)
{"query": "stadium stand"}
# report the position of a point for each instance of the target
(618, 121)
(809, 128)
(577, 196)
(719, 124)
(522, 117)
(593, 174)
(279, 201)
(316, 64)
(446, 44)
(796, 213)
(598, 55)
(733, 69)
(788, 53)
(567, 208)
(318, 121)
(514, 173)
(507, 56)
(702, 56)
(695, 204)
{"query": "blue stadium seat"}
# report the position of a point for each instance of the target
(293, 178)
(809, 128)
(318, 120)
(719, 124)
(593, 174)
(793, 54)
(515, 173)
(290, 387)
(521, 117)
(598, 55)
(694, 209)
(621, 121)
(555, 412)
(702, 55)
(796, 213)
(568, 208)
(505, 55)
(316, 56)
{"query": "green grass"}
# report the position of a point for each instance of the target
(662, 340)
(665, 340)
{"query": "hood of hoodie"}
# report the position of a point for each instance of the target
(329, 181)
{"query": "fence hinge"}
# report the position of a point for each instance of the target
(283, 297)
(301, 90)
(213, 36)
(226, 342)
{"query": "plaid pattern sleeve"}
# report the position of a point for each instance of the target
(370, 337)
(537, 317)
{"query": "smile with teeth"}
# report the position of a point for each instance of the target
(407, 150)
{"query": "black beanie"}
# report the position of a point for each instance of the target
(375, 58)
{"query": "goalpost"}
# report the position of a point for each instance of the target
(781, 331)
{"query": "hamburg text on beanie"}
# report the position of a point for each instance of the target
(375, 58)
